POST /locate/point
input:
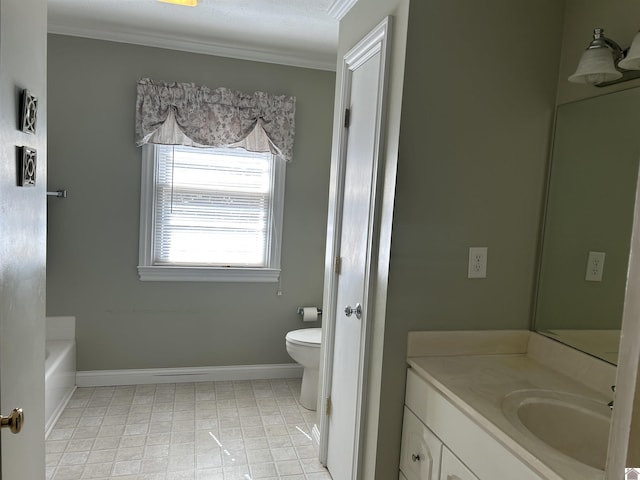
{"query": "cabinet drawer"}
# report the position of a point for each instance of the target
(420, 451)
(453, 469)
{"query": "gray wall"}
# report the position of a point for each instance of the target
(93, 234)
(474, 146)
(23, 54)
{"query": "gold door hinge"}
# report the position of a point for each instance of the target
(327, 406)
(337, 265)
(347, 117)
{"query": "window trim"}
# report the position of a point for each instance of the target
(147, 271)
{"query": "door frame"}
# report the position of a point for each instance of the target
(377, 40)
(627, 396)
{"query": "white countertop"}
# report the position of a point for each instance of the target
(477, 384)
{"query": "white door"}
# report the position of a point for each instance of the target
(23, 36)
(362, 87)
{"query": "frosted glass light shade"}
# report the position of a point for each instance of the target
(596, 66)
(632, 60)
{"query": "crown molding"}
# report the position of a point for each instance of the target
(339, 8)
(294, 59)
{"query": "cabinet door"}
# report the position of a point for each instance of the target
(420, 452)
(453, 469)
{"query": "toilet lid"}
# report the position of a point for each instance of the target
(305, 336)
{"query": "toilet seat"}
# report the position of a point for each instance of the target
(309, 337)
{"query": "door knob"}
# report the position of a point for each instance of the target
(13, 421)
(349, 310)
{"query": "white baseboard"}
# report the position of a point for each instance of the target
(51, 422)
(315, 433)
(105, 378)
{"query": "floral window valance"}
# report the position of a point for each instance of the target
(193, 115)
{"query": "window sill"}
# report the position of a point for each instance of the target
(207, 274)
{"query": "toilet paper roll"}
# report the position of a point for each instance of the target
(309, 314)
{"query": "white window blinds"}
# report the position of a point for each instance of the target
(213, 207)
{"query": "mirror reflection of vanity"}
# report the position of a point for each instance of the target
(591, 194)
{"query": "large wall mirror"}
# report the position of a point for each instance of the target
(591, 193)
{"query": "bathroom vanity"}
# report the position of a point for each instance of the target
(507, 404)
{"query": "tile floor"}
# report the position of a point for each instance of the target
(214, 430)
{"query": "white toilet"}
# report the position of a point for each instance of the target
(304, 347)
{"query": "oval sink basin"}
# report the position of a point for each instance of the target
(575, 426)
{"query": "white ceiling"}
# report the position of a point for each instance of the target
(291, 32)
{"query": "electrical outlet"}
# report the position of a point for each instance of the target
(595, 266)
(478, 262)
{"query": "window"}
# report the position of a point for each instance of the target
(210, 214)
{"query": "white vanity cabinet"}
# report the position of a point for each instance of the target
(444, 437)
(466, 389)
(421, 450)
(453, 469)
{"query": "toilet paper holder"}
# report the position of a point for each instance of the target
(301, 311)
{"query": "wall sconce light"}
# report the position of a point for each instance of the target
(604, 62)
